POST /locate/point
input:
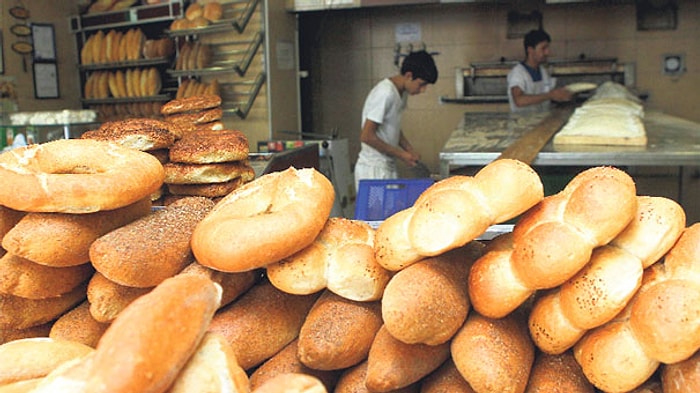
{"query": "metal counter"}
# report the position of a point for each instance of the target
(482, 136)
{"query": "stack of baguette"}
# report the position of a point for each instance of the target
(199, 14)
(474, 317)
(116, 46)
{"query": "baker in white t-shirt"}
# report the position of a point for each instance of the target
(382, 141)
(530, 87)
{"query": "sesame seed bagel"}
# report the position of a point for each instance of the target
(265, 220)
(76, 176)
(178, 173)
(193, 103)
(209, 146)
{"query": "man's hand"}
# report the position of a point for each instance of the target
(561, 94)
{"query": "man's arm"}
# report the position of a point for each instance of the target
(369, 136)
(521, 99)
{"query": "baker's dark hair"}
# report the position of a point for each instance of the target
(534, 37)
(421, 65)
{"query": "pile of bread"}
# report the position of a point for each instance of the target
(199, 14)
(596, 287)
(116, 46)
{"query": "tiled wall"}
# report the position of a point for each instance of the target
(353, 49)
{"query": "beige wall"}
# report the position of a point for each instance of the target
(42, 11)
(355, 49)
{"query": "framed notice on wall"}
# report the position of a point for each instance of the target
(44, 42)
(45, 80)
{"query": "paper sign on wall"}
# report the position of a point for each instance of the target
(408, 32)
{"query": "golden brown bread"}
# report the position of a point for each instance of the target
(682, 377)
(353, 381)
(338, 332)
(152, 248)
(61, 239)
(78, 325)
(209, 190)
(292, 383)
(599, 291)
(24, 278)
(233, 285)
(462, 206)
(446, 379)
(208, 146)
(659, 325)
(287, 361)
(213, 368)
(341, 258)
(21, 313)
(30, 358)
(179, 173)
(196, 103)
(212, 11)
(557, 374)
(392, 364)
(107, 298)
(148, 344)
(8, 219)
(261, 322)
(265, 220)
(593, 208)
(494, 355)
(10, 334)
(427, 302)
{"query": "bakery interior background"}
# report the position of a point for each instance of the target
(348, 50)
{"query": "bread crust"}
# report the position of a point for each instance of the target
(209, 190)
(180, 173)
(21, 313)
(236, 237)
(45, 179)
(207, 147)
(195, 103)
(147, 251)
(78, 325)
(31, 358)
(61, 239)
(107, 299)
(24, 278)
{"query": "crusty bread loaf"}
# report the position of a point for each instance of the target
(233, 285)
(287, 361)
(392, 364)
(212, 11)
(63, 239)
(262, 322)
(107, 298)
(78, 325)
(21, 313)
(598, 292)
(8, 219)
(193, 11)
(338, 332)
(682, 377)
(557, 374)
(292, 383)
(10, 334)
(213, 368)
(152, 248)
(341, 258)
(659, 325)
(494, 355)
(30, 358)
(24, 278)
(353, 381)
(152, 339)
(554, 240)
(427, 302)
(463, 207)
(447, 379)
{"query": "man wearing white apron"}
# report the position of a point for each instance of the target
(382, 141)
(530, 87)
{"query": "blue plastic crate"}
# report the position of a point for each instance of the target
(379, 199)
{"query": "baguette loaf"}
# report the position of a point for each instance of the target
(153, 248)
(262, 322)
(462, 206)
(62, 239)
(107, 298)
(30, 358)
(213, 368)
(338, 332)
(21, 313)
(554, 240)
(598, 292)
(661, 323)
(393, 365)
(287, 361)
(427, 302)
(494, 355)
(447, 379)
(24, 278)
(233, 285)
(78, 325)
(152, 339)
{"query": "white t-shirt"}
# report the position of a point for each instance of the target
(383, 106)
(519, 76)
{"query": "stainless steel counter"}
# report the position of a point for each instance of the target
(481, 137)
